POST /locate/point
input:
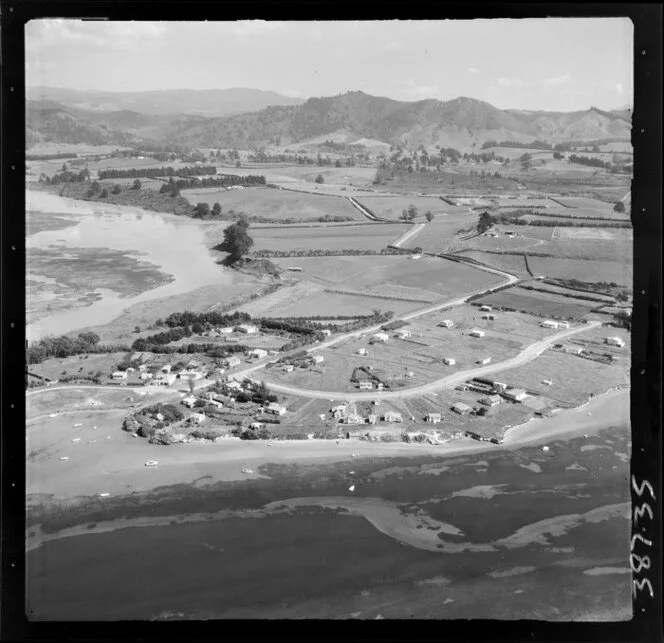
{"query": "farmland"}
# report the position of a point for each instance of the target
(619, 271)
(351, 237)
(548, 305)
(275, 204)
(514, 264)
(391, 207)
(427, 278)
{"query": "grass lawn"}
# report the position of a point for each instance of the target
(371, 236)
(574, 378)
(275, 204)
(539, 303)
(514, 264)
(53, 368)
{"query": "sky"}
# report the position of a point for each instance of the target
(557, 64)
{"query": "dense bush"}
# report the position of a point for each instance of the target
(65, 346)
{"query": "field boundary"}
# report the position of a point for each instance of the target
(364, 293)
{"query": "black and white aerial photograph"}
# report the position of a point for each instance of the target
(329, 319)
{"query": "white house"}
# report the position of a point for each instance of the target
(190, 374)
(120, 375)
(362, 351)
(446, 323)
(410, 375)
(515, 394)
(461, 408)
(288, 368)
(275, 409)
(145, 375)
(549, 323)
(563, 324)
(392, 416)
(450, 361)
(486, 309)
(166, 368)
(615, 341)
(476, 332)
(231, 361)
(492, 400)
(225, 330)
(166, 380)
(234, 385)
(484, 360)
(404, 334)
(489, 316)
(327, 332)
(248, 329)
(318, 359)
(433, 418)
(258, 353)
(381, 337)
(366, 385)
(189, 401)
(197, 417)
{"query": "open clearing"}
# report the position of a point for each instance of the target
(539, 303)
(619, 271)
(391, 207)
(427, 278)
(275, 204)
(603, 234)
(371, 236)
(573, 378)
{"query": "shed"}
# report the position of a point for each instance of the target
(450, 361)
(461, 408)
(247, 329)
(288, 368)
(404, 334)
(615, 341)
(361, 351)
(491, 400)
(549, 323)
(476, 332)
(119, 375)
(486, 309)
(366, 385)
(446, 323)
(318, 359)
(433, 418)
(484, 360)
(258, 353)
(392, 416)
(381, 337)
(515, 394)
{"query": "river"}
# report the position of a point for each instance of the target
(106, 259)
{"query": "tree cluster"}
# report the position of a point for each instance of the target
(155, 172)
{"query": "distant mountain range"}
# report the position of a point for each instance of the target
(186, 118)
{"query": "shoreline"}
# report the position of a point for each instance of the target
(608, 409)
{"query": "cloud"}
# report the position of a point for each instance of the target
(473, 70)
(510, 82)
(293, 93)
(557, 80)
(619, 88)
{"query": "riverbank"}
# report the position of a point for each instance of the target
(116, 466)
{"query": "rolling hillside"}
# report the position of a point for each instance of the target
(462, 123)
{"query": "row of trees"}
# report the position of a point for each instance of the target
(155, 172)
(64, 346)
(66, 176)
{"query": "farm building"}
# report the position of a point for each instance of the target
(197, 417)
(486, 309)
(190, 374)
(476, 332)
(403, 334)
(229, 362)
(275, 409)
(450, 361)
(294, 269)
(166, 368)
(572, 349)
(327, 332)
(461, 408)
(119, 375)
(258, 353)
(515, 394)
(484, 360)
(392, 416)
(380, 337)
(234, 385)
(366, 385)
(489, 316)
(145, 375)
(288, 368)
(352, 418)
(549, 323)
(371, 418)
(492, 400)
(362, 351)
(165, 380)
(247, 329)
(446, 323)
(615, 341)
(189, 401)
(226, 330)
(256, 425)
(563, 324)
(433, 418)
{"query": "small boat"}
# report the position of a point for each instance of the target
(64, 457)
(76, 439)
(151, 463)
(77, 425)
(104, 495)
(351, 488)
(134, 435)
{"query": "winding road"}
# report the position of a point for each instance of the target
(526, 355)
